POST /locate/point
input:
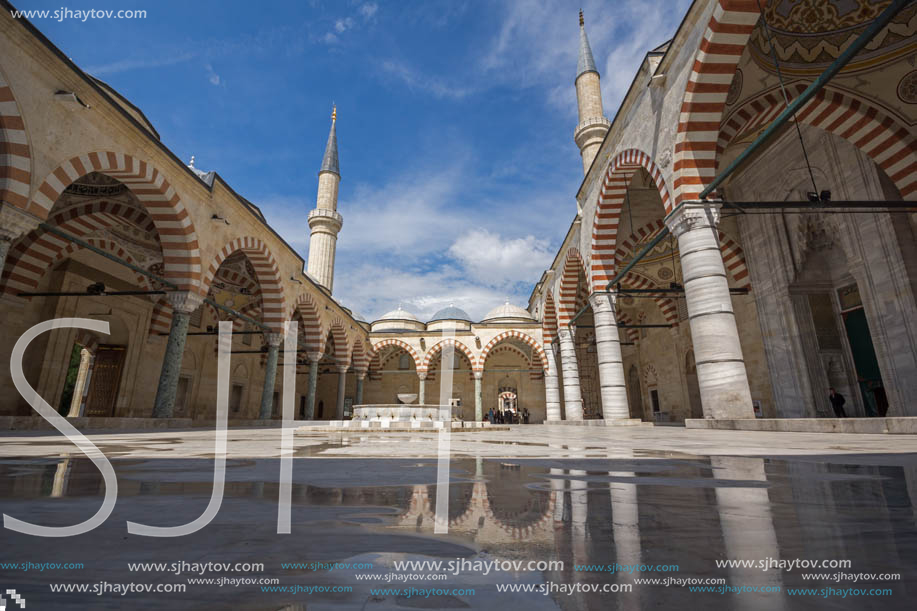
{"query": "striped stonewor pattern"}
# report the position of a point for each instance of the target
(887, 140)
(435, 363)
(375, 366)
(180, 251)
(310, 328)
(734, 261)
(733, 256)
(377, 347)
(15, 159)
(549, 320)
(667, 306)
(632, 334)
(610, 204)
(31, 256)
(459, 346)
(341, 345)
(360, 355)
(535, 375)
(266, 271)
(574, 269)
(161, 319)
(702, 107)
(522, 337)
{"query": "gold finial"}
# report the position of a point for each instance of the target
(191, 163)
(581, 22)
(334, 113)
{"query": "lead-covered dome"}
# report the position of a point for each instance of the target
(508, 312)
(399, 314)
(451, 313)
(397, 321)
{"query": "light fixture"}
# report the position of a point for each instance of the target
(69, 97)
(217, 217)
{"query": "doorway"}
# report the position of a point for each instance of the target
(106, 380)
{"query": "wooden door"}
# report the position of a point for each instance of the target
(105, 381)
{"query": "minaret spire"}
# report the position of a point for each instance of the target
(325, 221)
(592, 125)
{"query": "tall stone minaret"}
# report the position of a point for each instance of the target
(592, 125)
(324, 221)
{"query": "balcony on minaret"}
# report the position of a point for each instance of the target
(330, 220)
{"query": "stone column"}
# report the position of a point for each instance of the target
(342, 385)
(422, 387)
(14, 222)
(79, 387)
(720, 367)
(270, 374)
(478, 397)
(314, 358)
(551, 387)
(183, 303)
(573, 399)
(612, 384)
(361, 375)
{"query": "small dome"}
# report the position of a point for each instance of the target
(399, 314)
(508, 311)
(451, 313)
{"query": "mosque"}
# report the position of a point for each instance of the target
(742, 242)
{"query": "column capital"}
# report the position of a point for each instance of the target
(184, 301)
(342, 368)
(479, 375)
(361, 374)
(15, 222)
(693, 214)
(422, 375)
(314, 356)
(603, 302)
(564, 333)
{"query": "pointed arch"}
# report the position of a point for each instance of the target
(33, 255)
(610, 204)
(267, 272)
(887, 140)
(667, 306)
(715, 62)
(376, 348)
(180, 250)
(549, 319)
(360, 355)
(311, 329)
(15, 156)
(522, 337)
(569, 285)
(457, 345)
(341, 345)
(632, 334)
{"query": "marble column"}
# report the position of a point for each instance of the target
(342, 385)
(183, 303)
(573, 401)
(422, 387)
(270, 374)
(478, 396)
(720, 367)
(551, 387)
(612, 384)
(14, 223)
(314, 358)
(361, 375)
(79, 388)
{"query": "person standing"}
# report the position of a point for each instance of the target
(837, 402)
(525, 415)
(491, 414)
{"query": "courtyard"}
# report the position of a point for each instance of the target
(621, 518)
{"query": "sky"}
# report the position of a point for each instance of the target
(455, 123)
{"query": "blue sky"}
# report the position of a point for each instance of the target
(455, 122)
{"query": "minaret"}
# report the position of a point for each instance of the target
(324, 221)
(592, 125)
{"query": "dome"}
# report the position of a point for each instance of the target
(508, 310)
(451, 313)
(399, 314)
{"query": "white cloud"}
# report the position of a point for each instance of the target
(329, 38)
(212, 77)
(418, 81)
(132, 64)
(342, 25)
(499, 261)
(368, 9)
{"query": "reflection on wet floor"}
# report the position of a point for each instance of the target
(645, 510)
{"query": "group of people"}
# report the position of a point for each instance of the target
(507, 416)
